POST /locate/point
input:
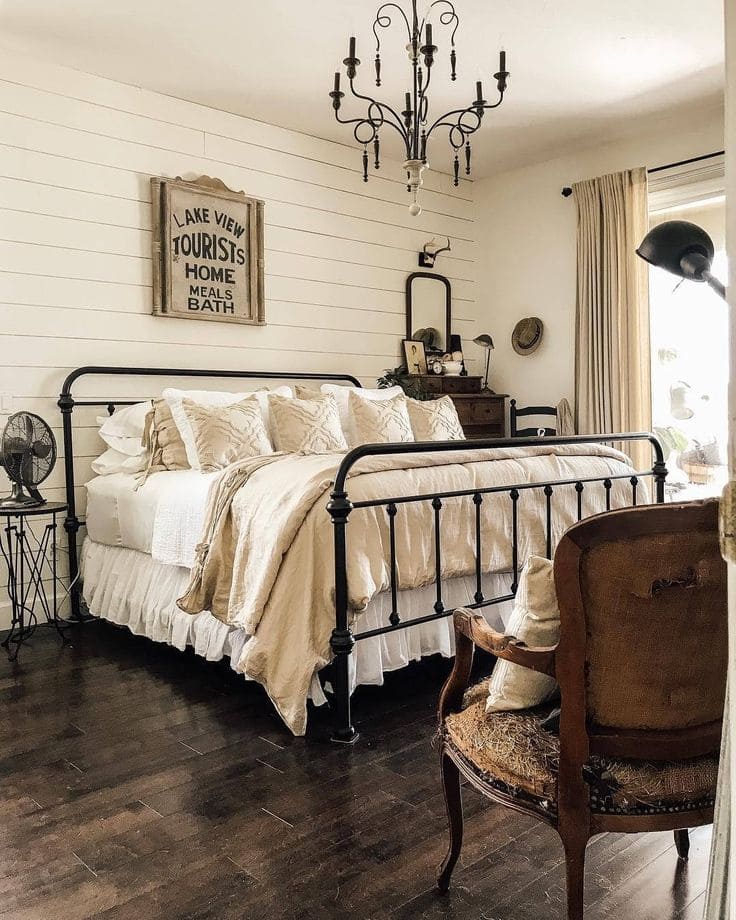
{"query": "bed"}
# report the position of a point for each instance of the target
(432, 526)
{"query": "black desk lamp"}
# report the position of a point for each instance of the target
(684, 249)
(485, 341)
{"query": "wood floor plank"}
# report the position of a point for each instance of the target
(139, 782)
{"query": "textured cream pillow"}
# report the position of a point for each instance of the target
(342, 396)
(380, 421)
(213, 398)
(225, 434)
(536, 621)
(435, 420)
(306, 426)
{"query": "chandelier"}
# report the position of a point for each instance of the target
(413, 123)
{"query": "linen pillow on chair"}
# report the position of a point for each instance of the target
(225, 434)
(435, 420)
(535, 620)
(380, 421)
(306, 426)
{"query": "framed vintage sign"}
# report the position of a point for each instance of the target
(207, 252)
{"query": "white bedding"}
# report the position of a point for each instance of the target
(163, 517)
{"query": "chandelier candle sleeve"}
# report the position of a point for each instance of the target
(413, 124)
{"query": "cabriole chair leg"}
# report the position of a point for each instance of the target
(454, 803)
(682, 842)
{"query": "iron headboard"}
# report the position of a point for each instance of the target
(67, 403)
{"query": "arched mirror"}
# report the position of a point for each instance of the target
(429, 306)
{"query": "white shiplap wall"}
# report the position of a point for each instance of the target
(76, 155)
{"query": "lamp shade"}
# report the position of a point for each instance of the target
(484, 340)
(680, 247)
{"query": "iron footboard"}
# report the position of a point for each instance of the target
(340, 507)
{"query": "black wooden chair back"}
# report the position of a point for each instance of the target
(537, 411)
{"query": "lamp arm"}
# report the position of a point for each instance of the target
(715, 283)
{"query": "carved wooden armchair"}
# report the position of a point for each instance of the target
(641, 665)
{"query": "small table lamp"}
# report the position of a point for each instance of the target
(485, 341)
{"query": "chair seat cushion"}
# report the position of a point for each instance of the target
(514, 750)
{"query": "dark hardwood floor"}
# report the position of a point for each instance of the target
(137, 782)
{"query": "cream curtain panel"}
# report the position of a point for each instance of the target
(612, 354)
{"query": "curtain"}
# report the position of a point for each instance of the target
(612, 353)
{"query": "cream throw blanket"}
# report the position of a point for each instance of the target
(266, 560)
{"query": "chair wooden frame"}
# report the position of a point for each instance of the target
(515, 414)
(573, 817)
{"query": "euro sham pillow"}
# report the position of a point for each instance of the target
(435, 420)
(174, 398)
(535, 620)
(380, 421)
(123, 430)
(162, 440)
(342, 398)
(226, 434)
(307, 426)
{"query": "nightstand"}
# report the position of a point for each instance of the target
(482, 413)
(30, 555)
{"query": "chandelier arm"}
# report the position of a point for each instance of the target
(381, 15)
(451, 12)
(398, 124)
(440, 122)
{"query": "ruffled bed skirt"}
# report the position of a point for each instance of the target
(130, 589)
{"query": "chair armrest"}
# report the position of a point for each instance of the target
(471, 629)
(475, 627)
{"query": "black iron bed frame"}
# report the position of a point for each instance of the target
(340, 507)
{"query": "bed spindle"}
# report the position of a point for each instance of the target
(548, 497)
(437, 505)
(607, 486)
(478, 501)
(514, 495)
(579, 489)
(394, 618)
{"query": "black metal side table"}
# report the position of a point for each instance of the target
(31, 560)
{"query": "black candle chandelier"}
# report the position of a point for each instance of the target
(413, 124)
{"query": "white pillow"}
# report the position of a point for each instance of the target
(380, 421)
(435, 420)
(113, 461)
(535, 621)
(342, 398)
(214, 398)
(123, 430)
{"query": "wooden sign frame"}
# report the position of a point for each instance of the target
(215, 269)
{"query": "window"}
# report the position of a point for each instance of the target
(689, 334)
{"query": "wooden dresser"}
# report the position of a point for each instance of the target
(482, 414)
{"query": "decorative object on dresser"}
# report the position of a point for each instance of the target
(28, 454)
(485, 341)
(527, 335)
(207, 252)
(531, 411)
(413, 124)
(416, 359)
(31, 561)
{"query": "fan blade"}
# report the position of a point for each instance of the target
(29, 428)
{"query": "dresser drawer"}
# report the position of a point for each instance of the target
(479, 410)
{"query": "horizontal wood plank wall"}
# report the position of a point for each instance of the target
(76, 155)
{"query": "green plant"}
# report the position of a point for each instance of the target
(673, 440)
(398, 376)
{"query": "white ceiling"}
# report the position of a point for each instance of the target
(581, 70)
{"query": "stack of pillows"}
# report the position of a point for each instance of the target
(208, 430)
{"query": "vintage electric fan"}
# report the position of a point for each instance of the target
(28, 453)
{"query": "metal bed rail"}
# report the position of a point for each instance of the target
(340, 507)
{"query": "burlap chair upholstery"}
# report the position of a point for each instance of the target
(514, 752)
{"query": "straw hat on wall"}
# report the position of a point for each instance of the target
(527, 335)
